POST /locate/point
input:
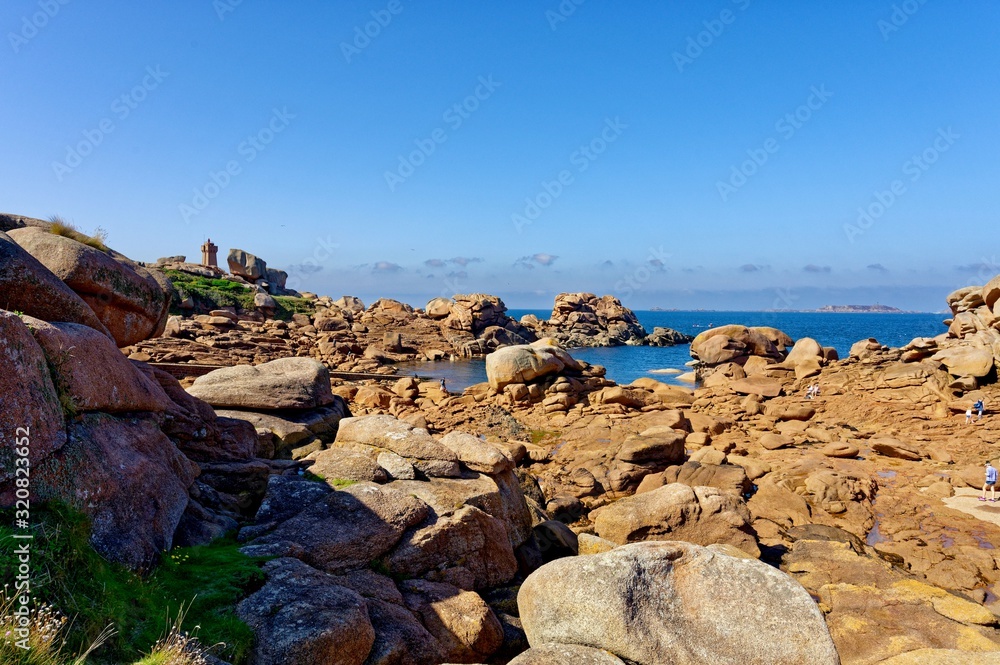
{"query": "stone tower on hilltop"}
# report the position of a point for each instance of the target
(210, 254)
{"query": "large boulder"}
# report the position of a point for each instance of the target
(128, 477)
(31, 288)
(464, 625)
(126, 298)
(735, 343)
(334, 531)
(380, 432)
(31, 409)
(246, 265)
(476, 454)
(701, 515)
(966, 360)
(303, 616)
(499, 496)
(438, 308)
(523, 363)
(991, 292)
(469, 536)
(671, 602)
(288, 383)
(91, 374)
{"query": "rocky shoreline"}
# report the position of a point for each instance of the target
(546, 516)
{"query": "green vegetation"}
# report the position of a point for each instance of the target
(198, 586)
(288, 305)
(336, 483)
(208, 293)
(212, 294)
(540, 436)
(61, 227)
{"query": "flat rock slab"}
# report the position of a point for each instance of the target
(757, 385)
(897, 449)
(288, 383)
(967, 501)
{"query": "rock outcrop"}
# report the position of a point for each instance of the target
(583, 319)
(126, 298)
(30, 288)
(700, 515)
(456, 524)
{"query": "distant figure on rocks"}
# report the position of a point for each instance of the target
(444, 388)
(991, 482)
(968, 416)
(812, 391)
(979, 406)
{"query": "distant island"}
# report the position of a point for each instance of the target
(860, 309)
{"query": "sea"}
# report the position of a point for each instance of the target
(626, 363)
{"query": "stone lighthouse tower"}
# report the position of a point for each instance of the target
(210, 254)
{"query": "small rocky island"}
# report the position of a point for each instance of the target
(859, 309)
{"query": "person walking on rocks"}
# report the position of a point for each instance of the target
(979, 406)
(991, 483)
(444, 389)
(968, 416)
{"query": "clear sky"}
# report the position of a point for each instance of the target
(720, 154)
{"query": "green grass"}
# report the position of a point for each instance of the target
(288, 305)
(205, 582)
(336, 483)
(209, 293)
(212, 294)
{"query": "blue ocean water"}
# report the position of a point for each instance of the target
(627, 363)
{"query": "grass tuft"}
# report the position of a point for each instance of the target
(61, 227)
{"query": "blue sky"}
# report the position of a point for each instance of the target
(724, 154)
